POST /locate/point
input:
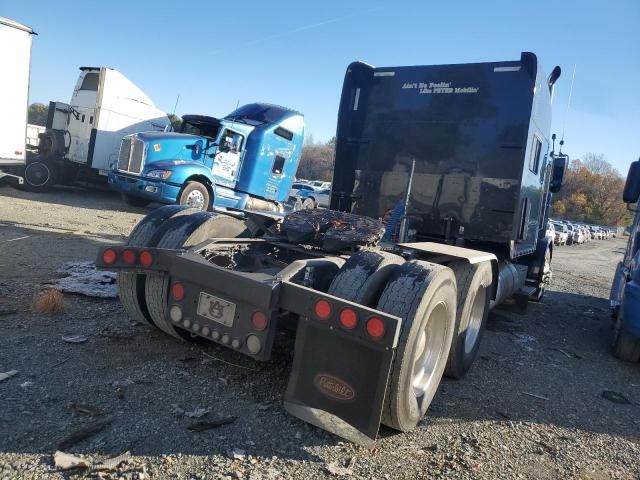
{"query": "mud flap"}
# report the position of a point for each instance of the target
(338, 381)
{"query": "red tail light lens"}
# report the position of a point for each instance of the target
(177, 291)
(375, 328)
(322, 309)
(109, 256)
(348, 318)
(259, 320)
(146, 259)
(129, 257)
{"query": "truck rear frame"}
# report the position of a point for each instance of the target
(238, 292)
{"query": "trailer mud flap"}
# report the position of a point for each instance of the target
(338, 383)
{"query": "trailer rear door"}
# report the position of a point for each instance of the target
(15, 59)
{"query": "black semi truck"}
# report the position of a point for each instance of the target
(442, 184)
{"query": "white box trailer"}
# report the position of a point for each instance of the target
(82, 139)
(15, 61)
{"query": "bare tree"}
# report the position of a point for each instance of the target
(316, 161)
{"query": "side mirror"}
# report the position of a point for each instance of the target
(632, 186)
(557, 176)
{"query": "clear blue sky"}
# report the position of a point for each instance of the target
(215, 54)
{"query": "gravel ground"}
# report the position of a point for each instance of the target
(531, 407)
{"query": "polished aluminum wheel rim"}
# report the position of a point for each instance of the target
(475, 320)
(195, 199)
(429, 349)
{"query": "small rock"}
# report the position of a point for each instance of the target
(198, 412)
(335, 469)
(238, 454)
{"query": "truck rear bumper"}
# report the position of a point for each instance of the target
(140, 187)
(339, 376)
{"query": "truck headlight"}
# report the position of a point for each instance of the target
(162, 174)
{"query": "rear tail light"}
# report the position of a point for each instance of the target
(146, 259)
(129, 257)
(375, 328)
(109, 256)
(177, 291)
(259, 320)
(322, 309)
(348, 318)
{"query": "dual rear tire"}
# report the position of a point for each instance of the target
(473, 283)
(424, 296)
(144, 296)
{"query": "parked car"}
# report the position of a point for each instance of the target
(299, 187)
(562, 233)
(550, 232)
(320, 185)
(577, 237)
(320, 198)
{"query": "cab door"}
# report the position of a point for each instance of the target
(227, 161)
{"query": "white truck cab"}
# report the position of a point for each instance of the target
(83, 137)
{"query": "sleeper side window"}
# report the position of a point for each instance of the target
(278, 165)
(536, 151)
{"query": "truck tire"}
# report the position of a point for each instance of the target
(624, 346)
(364, 275)
(538, 295)
(131, 285)
(182, 233)
(423, 294)
(137, 201)
(308, 203)
(472, 282)
(40, 175)
(195, 195)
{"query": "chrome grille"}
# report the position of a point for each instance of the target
(137, 157)
(131, 158)
(125, 152)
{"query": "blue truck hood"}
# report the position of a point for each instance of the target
(168, 149)
(161, 136)
(169, 164)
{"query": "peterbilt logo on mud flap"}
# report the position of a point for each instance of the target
(334, 388)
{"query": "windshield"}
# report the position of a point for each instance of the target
(202, 129)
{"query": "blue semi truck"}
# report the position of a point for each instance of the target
(247, 160)
(625, 291)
